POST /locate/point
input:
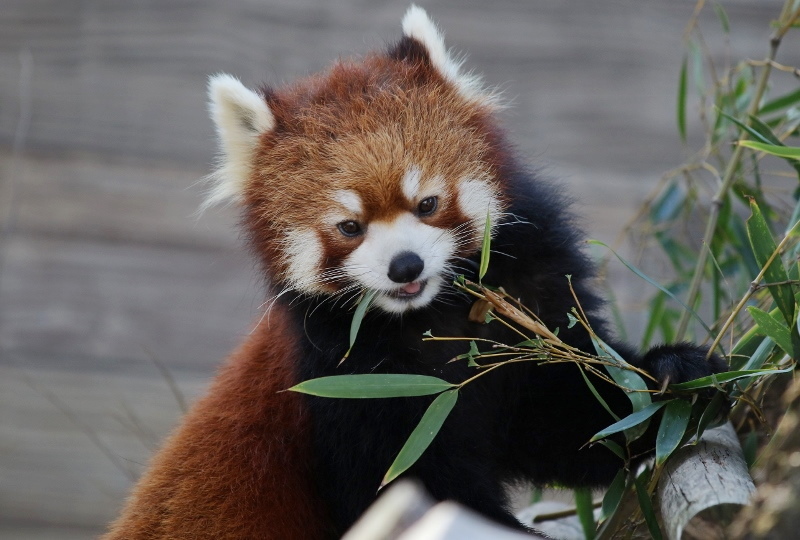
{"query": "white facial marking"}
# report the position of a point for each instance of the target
(369, 263)
(411, 182)
(476, 198)
(350, 200)
(303, 253)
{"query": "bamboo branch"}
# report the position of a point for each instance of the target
(786, 22)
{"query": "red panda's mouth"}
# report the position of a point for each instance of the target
(409, 290)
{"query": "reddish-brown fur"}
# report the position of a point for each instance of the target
(359, 127)
(239, 466)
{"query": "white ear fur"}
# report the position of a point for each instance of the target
(240, 116)
(417, 25)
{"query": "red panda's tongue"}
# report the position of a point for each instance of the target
(412, 288)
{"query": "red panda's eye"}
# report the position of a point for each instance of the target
(349, 228)
(428, 206)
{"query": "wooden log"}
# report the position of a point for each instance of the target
(703, 486)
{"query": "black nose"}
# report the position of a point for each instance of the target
(405, 267)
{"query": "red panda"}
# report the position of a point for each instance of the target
(378, 175)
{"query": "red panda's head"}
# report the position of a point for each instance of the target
(376, 175)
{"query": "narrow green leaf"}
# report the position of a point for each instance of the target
(780, 102)
(780, 151)
(712, 381)
(763, 246)
(681, 106)
(629, 421)
(486, 247)
(652, 282)
(750, 448)
(614, 447)
(760, 135)
(760, 355)
(585, 509)
(672, 428)
(758, 125)
(358, 316)
(711, 414)
(772, 328)
(668, 204)
(624, 377)
(372, 385)
(614, 494)
(696, 53)
(646, 504)
(794, 219)
(654, 320)
(423, 434)
(723, 17)
(596, 394)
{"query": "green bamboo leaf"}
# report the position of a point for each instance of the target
(750, 448)
(780, 102)
(656, 316)
(711, 414)
(652, 282)
(760, 127)
(681, 107)
(585, 510)
(763, 246)
(761, 132)
(624, 377)
(761, 353)
(723, 17)
(780, 151)
(672, 428)
(486, 247)
(372, 385)
(358, 316)
(757, 129)
(423, 434)
(596, 394)
(793, 220)
(696, 53)
(712, 381)
(646, 504)
(614, 494)
(614, 447)
(633, 419)
(669, 203)
(772, 328)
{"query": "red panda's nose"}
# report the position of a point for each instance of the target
(405, 267)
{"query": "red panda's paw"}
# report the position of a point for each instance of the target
(681, 362)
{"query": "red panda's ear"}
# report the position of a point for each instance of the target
(241, 116)
(419, 30)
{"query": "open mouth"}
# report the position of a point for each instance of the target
(409, 290)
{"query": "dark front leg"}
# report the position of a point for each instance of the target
(681, 362)
(554, 429)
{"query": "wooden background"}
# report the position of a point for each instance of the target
(106, 275)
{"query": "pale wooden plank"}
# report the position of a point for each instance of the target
(76, 298)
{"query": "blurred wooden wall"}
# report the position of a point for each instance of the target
(106, 274)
